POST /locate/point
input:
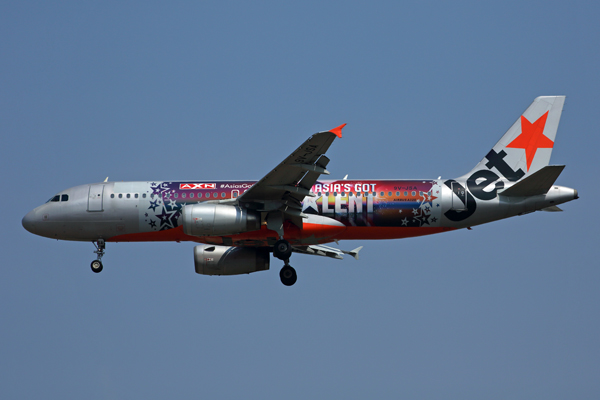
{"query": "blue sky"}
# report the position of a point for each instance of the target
(226, 90)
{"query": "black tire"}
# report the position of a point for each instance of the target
(288, 275)
(96, 266)
(282, 250)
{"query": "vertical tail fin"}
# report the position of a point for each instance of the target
(527, 146)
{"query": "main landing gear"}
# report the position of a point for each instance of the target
(97, 263)
(283, 251)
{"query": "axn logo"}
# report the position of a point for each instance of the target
(192, 186)
(478, 181)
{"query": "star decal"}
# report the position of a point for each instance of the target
(153, 205)
(152, 223)
(165, 217)
(156, 190)
(532, 138)
(310, 202)
(434, 219)
(404, 222)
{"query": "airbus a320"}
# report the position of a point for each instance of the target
(238, 224)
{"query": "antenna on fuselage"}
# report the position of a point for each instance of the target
(106, 180)
(346, 177)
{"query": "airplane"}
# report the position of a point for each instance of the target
(292, 210)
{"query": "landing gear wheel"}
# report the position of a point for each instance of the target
(282, 249)
(96, 266)
(288, 275)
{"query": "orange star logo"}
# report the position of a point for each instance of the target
(532, 138)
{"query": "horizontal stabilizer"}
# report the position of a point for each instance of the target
(537, 183)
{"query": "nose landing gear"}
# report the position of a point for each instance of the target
(96, 265)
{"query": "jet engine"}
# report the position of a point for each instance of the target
(225, 260)
(218, 220)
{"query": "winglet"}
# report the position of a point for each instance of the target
(338, 131)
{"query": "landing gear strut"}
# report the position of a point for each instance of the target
(283, 250)
(97, 263)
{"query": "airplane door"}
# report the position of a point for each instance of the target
(459, 199)
(95, 197)
(235, 194)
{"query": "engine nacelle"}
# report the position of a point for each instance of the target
(225, 260)
(217, 220)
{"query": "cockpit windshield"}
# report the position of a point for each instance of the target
(58, 197)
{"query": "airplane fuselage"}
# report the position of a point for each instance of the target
(339, 210)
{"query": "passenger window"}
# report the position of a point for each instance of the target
(382, 194)
(319, 194)
(192, 195)
(112, 195)
(176, 195)
(326, 193)
(223, 194)
(128, 196)
(405, 193)
(334, 194)
(136, 195)
(343, 194)
(120, 195)
(389, 193)
(397, 194)
(144, 195)
(420, 193)
(55, 198)
(413, 193)
(215, 194)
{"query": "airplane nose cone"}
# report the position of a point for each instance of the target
(29, 221)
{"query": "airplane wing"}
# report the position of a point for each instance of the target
(282, 190)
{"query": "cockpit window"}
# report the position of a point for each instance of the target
(55, 198)
(64, 197)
